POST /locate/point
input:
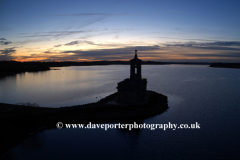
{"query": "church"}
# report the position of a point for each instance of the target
(134, 89)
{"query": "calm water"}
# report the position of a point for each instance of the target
(209, 96)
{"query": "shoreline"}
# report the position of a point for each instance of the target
(18, 121)
(9, 68)
(225, 65)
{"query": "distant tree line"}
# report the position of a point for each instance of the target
(225, 65)
(15, 66)
(12, 67)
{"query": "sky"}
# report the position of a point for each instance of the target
(89, 30)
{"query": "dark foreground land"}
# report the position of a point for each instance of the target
(17, 121)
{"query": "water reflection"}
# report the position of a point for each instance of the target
(131, 136)
(57, 88)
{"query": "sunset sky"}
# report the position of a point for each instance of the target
(86, 30)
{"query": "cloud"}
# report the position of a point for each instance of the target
(217, 45)
(71, 43)
(118, 53)
(58, 45)
(89, 42)
(4, 41)
(81, 34)
(89, 14)
(60, 34)
(219, 50)
(79, 42)
(220, 55)
(125, 50)
(7, 57)
(189, 39)
(154, 52)
(8, 51)
(171, 11)
(52, 34)
(124, 53)
(75, 43)
(225, 43)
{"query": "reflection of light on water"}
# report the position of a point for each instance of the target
(57, 88)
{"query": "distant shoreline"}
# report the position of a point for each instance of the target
(8, 68)
(18, 121)
(225, 65)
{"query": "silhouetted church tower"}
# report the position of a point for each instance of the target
(133, 89)
(135, 67)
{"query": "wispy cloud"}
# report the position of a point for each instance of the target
(61, 34)
(225, 43)
(217, 45)
(90, 14)
(80, 42)
(48, 36)
(187, 39)
(220, 55)
(57, 34)
(52, 34)
(171, 11)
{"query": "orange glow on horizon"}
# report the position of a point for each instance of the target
(30, 59)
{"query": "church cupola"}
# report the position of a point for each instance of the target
(135, 67)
